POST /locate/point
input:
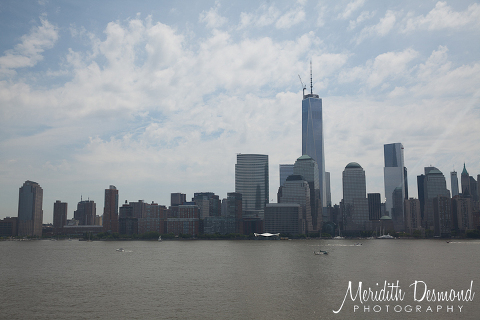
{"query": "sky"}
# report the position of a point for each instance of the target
(157, 97)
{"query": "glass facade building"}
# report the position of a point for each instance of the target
(312, 137)
(285, 171)
(394, 173)
(30, 212)
(251, 180)
(355, 203)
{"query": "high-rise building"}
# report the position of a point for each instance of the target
(284, 218)
(297, 190)
(355, 203)
(251, 180)
(312, 135)
(30, 212)
(85, 213)
(374, 206)
(234, 210)
(285, 171)
(394, 173)
(413, 217)
(110, 210)
(177, 198)
(307, 167)
(454, 183)
(434, 186)
(59, 216)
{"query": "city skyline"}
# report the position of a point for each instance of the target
(157, 99)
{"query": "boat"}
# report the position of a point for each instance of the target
(338, 238)
(358, 244)
(386, 236)
(160, 238)
(120, 250)
(320, 252)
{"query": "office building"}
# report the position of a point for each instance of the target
(312, 136)
(307, 167)
(234, 210)
(110, 210)
(209, 204)
(454, 183)
(285, 171)
(442, 216)
(285, 218)
(85, 213)
(434, 186)
(354, 203)
(394, 173)
(297, 190)
(251, 180)
(9, 227)
(374, 206)
(177, 199)
(413, 217)
(462, 213)
(30, 212)
(59, 216)
(127, 221)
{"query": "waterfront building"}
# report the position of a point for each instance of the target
(110, 210)
(462, 213)
(209, 204)
(454, 183)
(252, 181)
(234, 210)
(30, 212)
(59, 216)
(154, 219)
(469, 185)
(9, 227)
(398, 210)
(394, 173)
(285, 171)
(442, 216)
(374, 206)
(354, 204)
(86, 212)
(434, 186)
(284, 218)
(127, 221)
(413, 216)
(307, 167)
(312, 136)
(297, 190)
(185, 220)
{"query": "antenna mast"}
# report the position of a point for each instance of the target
(311, 81)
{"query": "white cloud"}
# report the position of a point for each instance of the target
(291, 18)
(364, 16)
(443, 17)
(381, 29)
(29, 52)
(263, 16)
(351, 8)
(212, 18)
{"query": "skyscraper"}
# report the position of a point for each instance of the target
(394, 174)
(110, 210)
(86, 212)
(435, 186)
(312, 135)
(355, 203)
(251, 180)
(307, 167)
(59, 216)
(454, 183)
(285, 171)
(30, 212)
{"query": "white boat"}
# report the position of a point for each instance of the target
(338, 238)
(386, 236)
(160, 238)
(120, 250)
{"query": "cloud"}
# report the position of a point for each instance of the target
(212, 18)
(29, 52)
(365, 15)
(291, 18)
(350, 9)
(386, 66)
(443, 17)
(381, 29)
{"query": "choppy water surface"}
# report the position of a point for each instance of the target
(232, 279)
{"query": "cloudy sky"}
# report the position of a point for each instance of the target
(157, 97)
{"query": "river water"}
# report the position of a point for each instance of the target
(235, 279)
